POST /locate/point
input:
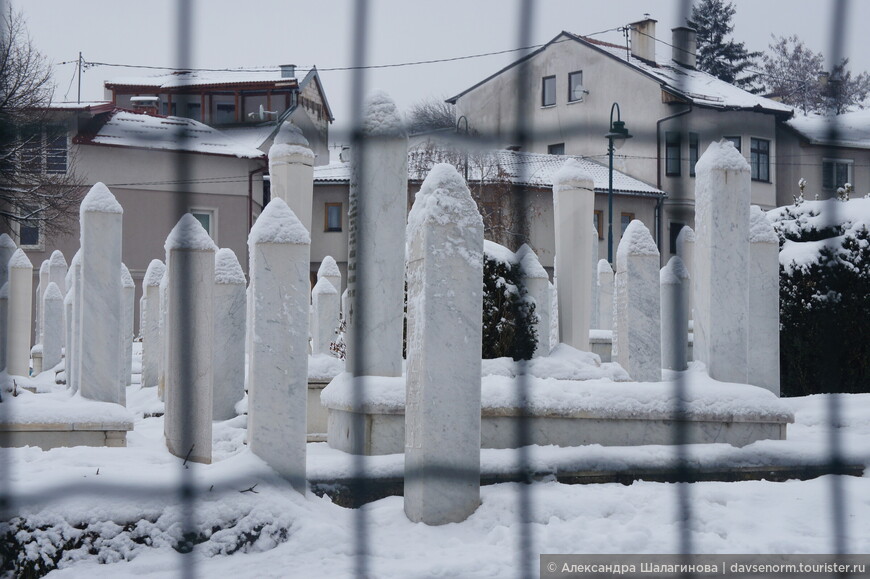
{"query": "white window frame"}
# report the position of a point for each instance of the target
(833, 163)
(576, 95)
(212, 213)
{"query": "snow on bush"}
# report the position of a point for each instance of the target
(508, 311)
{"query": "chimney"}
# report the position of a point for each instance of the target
(643, 35)
(288, 71)
(685, 44)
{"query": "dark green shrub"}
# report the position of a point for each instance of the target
(508, 313)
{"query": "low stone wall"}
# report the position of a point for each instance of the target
(56, 434)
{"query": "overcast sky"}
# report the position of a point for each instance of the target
(258, 33)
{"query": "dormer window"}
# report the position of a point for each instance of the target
(575, 87)
(548, 91)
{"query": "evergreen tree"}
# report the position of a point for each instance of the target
(718, 55)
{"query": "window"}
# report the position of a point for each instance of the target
(332, 217)
(226, 113)
(208, 220)
(548, 91)
(598, 222)
(693, 153)
(194, 111)
(44, 150)
(575, 87)
(625, 220)
(29, 231)
(674, 233)
(672, 154)
(759, 158)
(169, 111)
(738, 141)
(556, 149)
(836, 173)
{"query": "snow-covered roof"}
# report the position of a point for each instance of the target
(132, 129)
(698, 87)
(95, 106)
(203, 78)
(518, 168)
(846, 130)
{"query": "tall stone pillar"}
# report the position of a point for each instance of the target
(74, 344)
(686, 252)
(100, 328)
(675, 289)
(594, 319)
(720, 267)
(4, 321)
(537, 284)
(637, 328)
(605, 295)
(291, 170)
(128, 308)
(20, 272)
(229, 334)
(189, 346)
(278, 388)
(57, 270)
(7, 248)
(329, 269)
(40, 292)
(573, 208)
(150, 330)
(326, 308)
(52, 330)
(442, 412)
(763, 330)
(376, 252)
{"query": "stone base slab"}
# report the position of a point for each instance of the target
(55, 435)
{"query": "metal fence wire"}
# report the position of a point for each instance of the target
(189, 496)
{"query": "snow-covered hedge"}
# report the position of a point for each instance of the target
(508, 312)
(824, 296)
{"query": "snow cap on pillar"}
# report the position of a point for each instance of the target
(57, 259)
(227, 270)
(289, 141)
(722, 155)
(154, 274)
(19, 260)
(100, 200)
(381, 117)
(278, 224)
(328, 268)
(443, 198)
(189, 234)
(572, 175)
(126, 278)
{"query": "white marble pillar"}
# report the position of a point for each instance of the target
(376, 242)
(68, 300)
(52, 321)
(326, 309)
(74, 345)
(278, 391)
(537, 284)
(229, 334)
(151, 350)
(4, 320)
(763, 350)
(675, 289)
(128, 309)
(594, 314)
(573, 202)
(637, 323)
(189, 346)
(605, 295)
(720, 266)
(442, 412)
(57, 270)
(291, 170)
(40, 292)
(686, 252)
(100, 329)
(20, 272)
(329, 269)
(7, 248)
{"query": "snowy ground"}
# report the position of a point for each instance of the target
(123, 504)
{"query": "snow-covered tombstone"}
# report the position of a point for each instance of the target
(189, 346)
(74, 343)
(720, 266)
(326, 308)
(442, 412)
(376, 236)
(20, 272)
(101, 219)
(279, 246)
(637, 323)
(675, 289)
(52, 321)
(230, 310)
(573, 199)
(686, 252)
(68, 334)
(4, 319)
(594, 321)
(605, 295)
(163, 328)
(40, 292)
(7, 248)
(329, 269)
(291, 170)
(763, 350)
(57, 270)
(537, 284)
(150, 329)
(128, 308)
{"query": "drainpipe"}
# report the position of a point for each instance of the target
(251, 194)
(659, 170)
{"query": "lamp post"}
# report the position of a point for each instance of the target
(615, 139)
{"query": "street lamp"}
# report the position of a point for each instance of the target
(615, 139)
